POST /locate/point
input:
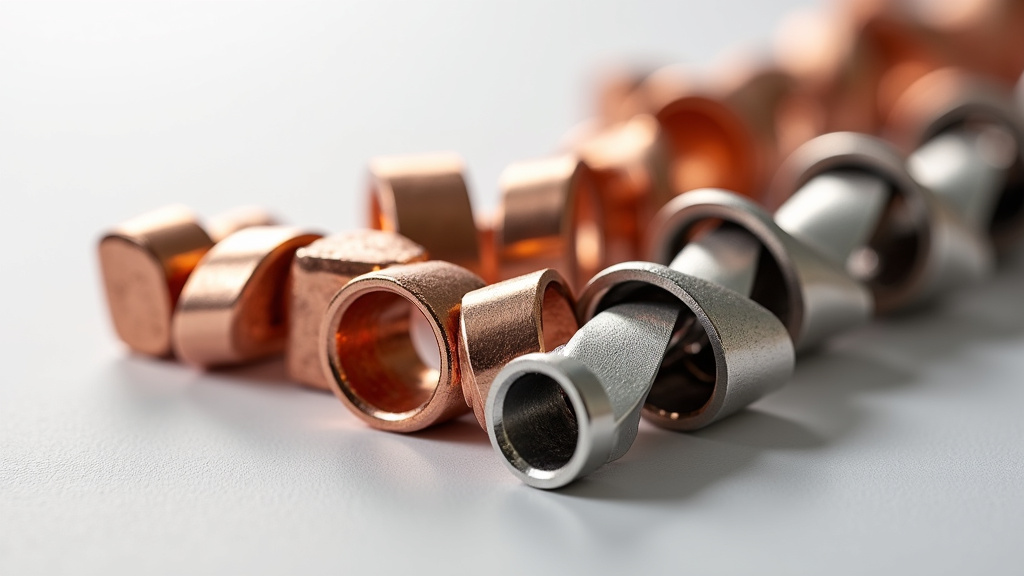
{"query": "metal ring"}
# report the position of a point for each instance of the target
(550, 218)
(233, 308)
(904, 283)
(750, 350)
(425, 199)
(500, 322)
(318, 272)
(368, 351)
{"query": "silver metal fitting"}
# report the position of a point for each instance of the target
(557, 416)
(808, 292)
(916, 247)
(743, 351)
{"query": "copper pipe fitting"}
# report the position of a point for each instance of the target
(145, 263)
(711, 145)
(424, 198)
(318, 272)
(630, 162)
(500, 322)
(550, 218)
(369, 349)
(233, 308)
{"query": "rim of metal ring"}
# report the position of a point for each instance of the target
(763, 331)
(852, 150)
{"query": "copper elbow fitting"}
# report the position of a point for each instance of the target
(550, 218)
(234, 306)
(318, 272)
(424, 198)
(145, 262)
(369, 352)
(500, 322)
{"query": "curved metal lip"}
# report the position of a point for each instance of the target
(946, 97)
(678, 284)
(331, 362)
(852, 150)
(691, 208)
(595, 419)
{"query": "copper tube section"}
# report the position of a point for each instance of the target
(711, 146)
(145, 262)
(233, 308)
(425, 199)
(369, 351)
(630, 162)
(531, 313)
(318, 272)
(550, 218)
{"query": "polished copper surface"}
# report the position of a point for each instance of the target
(369, 348)
(710, 144)
(500, 322)
(318, 272)
(630, 161)
(550, 218)
(425, 199)
(145, 262)
(233, 308)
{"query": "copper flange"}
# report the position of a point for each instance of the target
(500, 322)
(425, 198)
(233, 308)
(145, 262)
(369, 353)
(630, 162)
(550, 218)
(318, 272)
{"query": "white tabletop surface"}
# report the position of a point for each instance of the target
(899, 448)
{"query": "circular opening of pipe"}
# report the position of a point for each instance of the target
(389, 354)
(539, 422)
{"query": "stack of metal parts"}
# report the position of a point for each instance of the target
(669, 262)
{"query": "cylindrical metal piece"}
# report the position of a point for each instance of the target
(745, 352)
(558, 416)
(234, 306)
(550, 218)
(425, 199)
(810, 294)
(145, 263)
(498, 323)
(318, 272)
(370, 352)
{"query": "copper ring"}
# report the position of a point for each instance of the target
(500, 322)
(233, 308)
(318, 272)
(425, 199)
(711, 145)
(145, 262)
(368, 350)
(630, 162)
(550, 218)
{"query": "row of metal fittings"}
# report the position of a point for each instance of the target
(558, 370)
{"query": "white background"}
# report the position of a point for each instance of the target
(899, 448)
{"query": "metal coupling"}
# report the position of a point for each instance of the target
(550, 217)
(809, 293)
(389, 345)
(964, 138)
(558, 416)
(424, 198)
(146, 261)
(851, 198)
